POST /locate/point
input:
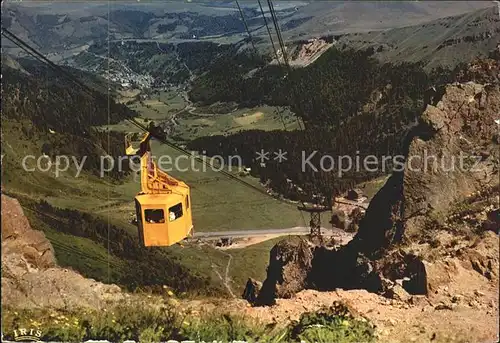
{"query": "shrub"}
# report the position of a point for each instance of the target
(147, 322)
(140, 323)
(225, 328)
(335, 324)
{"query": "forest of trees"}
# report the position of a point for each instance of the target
(350, 103)
(332, 88)
(170, 62)
(45, 101)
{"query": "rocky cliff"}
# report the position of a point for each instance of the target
(451, 159)
(30, 275)
(451, 154)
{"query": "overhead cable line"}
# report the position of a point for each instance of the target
(13, 38)
(268, 31)
(277, 56)
(246, 26)
(280, 65)
(285, 59)
(295, 97)
(278, 32)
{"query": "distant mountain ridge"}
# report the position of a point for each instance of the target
(441, 42)
(363, 16)
(57, 28)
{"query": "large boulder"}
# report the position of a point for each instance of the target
(30, 275)
(339, 219)
(252, 290)
(289, 264)
(404, 266)
(19, 238)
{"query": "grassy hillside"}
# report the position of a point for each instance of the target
(77, 213)
(108, 253)
(80, 241)
(443, 42)
(362, 16)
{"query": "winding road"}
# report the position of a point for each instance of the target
(299, 230)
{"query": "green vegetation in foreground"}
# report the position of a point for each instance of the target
(146, 323)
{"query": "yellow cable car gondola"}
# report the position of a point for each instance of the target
(163, 208)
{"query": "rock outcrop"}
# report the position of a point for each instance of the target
(289, 265)
(309, 51)
(451, 154)
(339, 219)
(483, 256)
(20, 242)
(30, 275)
(252, 290)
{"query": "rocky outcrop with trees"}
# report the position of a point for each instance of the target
(414, 206)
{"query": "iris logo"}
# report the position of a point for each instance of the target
(33, 335)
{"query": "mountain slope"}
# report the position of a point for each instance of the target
(51, 121)
(72, 27)
(326, 17)
(54, 29)
(58, 115)
(442, 42)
